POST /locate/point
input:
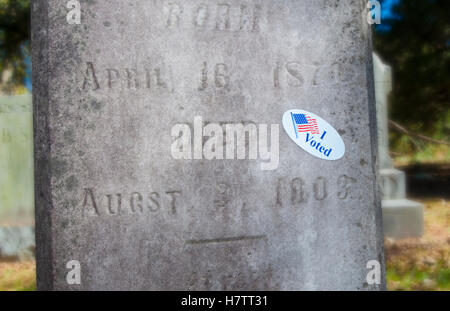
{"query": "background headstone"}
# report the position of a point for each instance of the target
(110, 195)
(16, 178)
(402, 218)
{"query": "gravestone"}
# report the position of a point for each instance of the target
(402, 218)
(111, 196)
(16, 178)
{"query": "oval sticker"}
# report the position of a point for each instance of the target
(313, 134)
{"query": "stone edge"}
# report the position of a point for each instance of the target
(40, 43)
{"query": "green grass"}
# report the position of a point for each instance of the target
(435, 278)
(422, 264)
(18, 276)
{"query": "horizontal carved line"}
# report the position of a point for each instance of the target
(225, 240)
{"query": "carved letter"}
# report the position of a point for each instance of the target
(344, 182)
(294, 71)
(173, 202)
(6, 136)
(110, 76)
(201, 16)
(204, 79)
(248, 20)
(173, 18)
(90, 70)
(221, 76)
(276, 76)
(223, 17)
(139, 202)
(89, 194)
(320, 194)
(298, 194)
(130, 80)
(119, 203)
(154, 197)
(159, 80)
(279, 202)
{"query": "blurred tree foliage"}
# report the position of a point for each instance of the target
(14, 42)
(415, 40)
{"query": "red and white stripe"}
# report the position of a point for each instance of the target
(310, 127)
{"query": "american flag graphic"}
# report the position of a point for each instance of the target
(304, 123)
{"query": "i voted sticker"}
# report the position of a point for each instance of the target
(313, 134)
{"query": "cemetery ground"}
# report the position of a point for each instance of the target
(422, 264)
(17, 276)
(411, 264)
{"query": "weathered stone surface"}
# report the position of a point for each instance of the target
(16, 161)
(17, 243)
(16, 178)
(106, 96)
(393, 184)
(383, 87)
(402, 218)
